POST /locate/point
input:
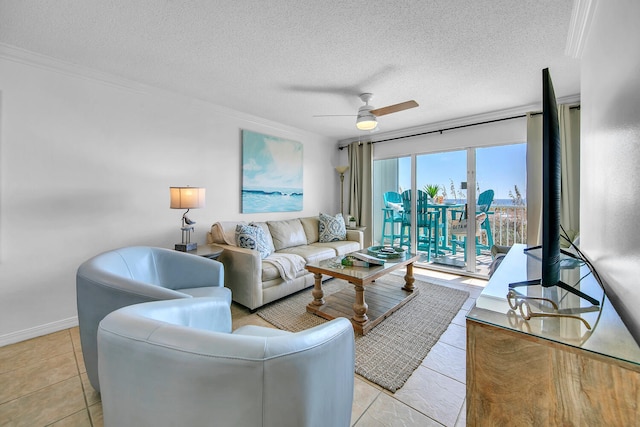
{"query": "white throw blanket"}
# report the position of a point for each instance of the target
(287, 264)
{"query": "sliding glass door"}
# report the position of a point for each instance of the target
(486, 184)
(439, 179)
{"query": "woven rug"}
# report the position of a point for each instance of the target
(392, 350)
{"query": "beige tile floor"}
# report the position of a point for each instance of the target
(43, 381)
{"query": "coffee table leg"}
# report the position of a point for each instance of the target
(360, 306)
(409, 279)
(318, 293)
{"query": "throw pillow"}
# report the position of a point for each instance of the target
(252, 237)
(267, 234)
(332, 228)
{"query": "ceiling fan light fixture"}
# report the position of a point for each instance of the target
(366, 120)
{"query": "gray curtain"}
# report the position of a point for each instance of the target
(534, 178)
(570, 137)
(360, 194)
(569, 120)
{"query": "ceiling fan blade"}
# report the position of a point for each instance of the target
(335, 115)
(394, 108)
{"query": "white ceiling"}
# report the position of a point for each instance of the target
(288, 60)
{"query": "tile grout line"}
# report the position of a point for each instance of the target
(367, 408)
(412, 408)
(84, 391)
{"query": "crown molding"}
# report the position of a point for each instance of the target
(51, 64)
(23, 56)
(581, 18)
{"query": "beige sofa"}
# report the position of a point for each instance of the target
(255, 281)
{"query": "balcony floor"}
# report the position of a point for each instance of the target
(455, 264)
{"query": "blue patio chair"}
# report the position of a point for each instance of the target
(485, 199)
(428, 224)
(392, 217)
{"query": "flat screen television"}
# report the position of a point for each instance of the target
(551, 191)
(551, 185)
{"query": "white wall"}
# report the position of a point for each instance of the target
(85, 165)
(610, 153)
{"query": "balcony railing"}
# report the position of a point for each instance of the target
(508, 224)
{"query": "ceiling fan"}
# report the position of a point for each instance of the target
(367, 114)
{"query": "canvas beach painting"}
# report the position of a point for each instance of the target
(271, 173)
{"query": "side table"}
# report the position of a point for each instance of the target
(207, 251)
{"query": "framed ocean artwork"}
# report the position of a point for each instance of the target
(271, 173)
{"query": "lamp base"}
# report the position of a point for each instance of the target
(185, 247)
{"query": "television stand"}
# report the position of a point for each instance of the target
(560, 284)
(548, 370)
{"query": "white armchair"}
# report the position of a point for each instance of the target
(133, 275)
(176, 363)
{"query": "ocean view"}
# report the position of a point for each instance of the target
(260, 200)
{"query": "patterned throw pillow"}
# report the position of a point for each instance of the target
(253, 237)
(332, 228)
(267, 234)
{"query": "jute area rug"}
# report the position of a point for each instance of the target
(392, 350)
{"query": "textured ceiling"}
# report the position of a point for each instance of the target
(290, 60)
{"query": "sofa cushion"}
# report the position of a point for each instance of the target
(287, 233)
(341, 247)
(269, 272)
(252, 237)
(311, 226)
(311, 253)
(332, 228)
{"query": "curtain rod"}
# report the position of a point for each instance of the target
(457, 127)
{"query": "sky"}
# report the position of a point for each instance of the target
(498, 168)
(269, 162)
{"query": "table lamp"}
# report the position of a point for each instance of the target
(186, 198)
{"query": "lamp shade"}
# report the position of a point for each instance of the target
(187, 197)
(366, 120)
(366, 123)
(341, 169)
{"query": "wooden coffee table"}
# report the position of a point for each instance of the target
(382, 299)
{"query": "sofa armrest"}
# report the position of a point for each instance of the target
(243, 274)
(356, 236)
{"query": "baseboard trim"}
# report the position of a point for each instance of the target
(38, 331)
